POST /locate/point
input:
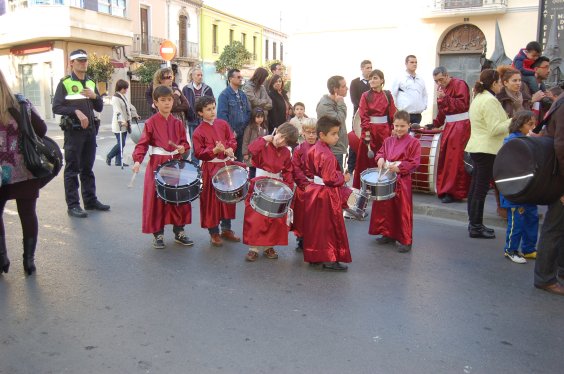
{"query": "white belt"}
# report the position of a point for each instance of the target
(263, 173)
(381, 120)
(318, 180)
(162, 152)
(457, 117)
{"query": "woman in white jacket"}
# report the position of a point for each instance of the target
(123, 113)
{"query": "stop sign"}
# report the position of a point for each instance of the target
(167, 50)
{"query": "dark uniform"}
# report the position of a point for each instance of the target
(80, 144)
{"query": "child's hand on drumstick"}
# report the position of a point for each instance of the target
(136, 167)
(219, 147)
(179, 148)
(229, 152)
(394, 167)
(381, 163)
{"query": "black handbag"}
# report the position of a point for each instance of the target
(42, 159)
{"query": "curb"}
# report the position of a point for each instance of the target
(455, 214)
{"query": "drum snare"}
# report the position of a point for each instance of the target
(178, 181)
(271, 197)
(357, 203)
(376, 187)
(231, 183)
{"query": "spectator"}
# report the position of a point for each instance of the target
(409, 91)
(512, 96)
(257, 93)
(180, 107)
(360, 85)
(193, 90)
(280, 106)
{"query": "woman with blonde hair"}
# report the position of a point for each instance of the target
(180, 107)
(17, 182)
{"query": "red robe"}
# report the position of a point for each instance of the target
(452, 178)
(325, 234)
(158, 132)
(394, 218)
(204, 139)
(259, 230)
(376, 106)
(302, 181)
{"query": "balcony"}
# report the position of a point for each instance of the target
(188, 50)
(147, 46)
(457, 8)
(62, 20)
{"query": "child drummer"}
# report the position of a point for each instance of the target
(272, 158)
(167, 137)
(309, 135)
(214, 144)
(325, 236)
(393, 218)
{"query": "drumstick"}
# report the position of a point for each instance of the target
(130, 185)
(173, 144)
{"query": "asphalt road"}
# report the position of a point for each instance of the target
(104, 301)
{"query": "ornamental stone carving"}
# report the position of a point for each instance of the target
(463, 39)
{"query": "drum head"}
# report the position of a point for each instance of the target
(372, 176)
(230, 178)
(274, 189)
(177, 173)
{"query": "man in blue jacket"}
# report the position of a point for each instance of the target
(234, 107)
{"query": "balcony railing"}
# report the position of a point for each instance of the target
(457, 4)
(146, 45)
(113, 7)
(448, 8)
(188, 49)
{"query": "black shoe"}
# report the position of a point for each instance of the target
(404, 248)
(483, 227)
(384, 240)
(300, 247)
(4, 260)
(97, 205)
(181, 238)
(29, 255)
(334, 266)
(77, 212)
(481, 232)
(124, 164)
(158, 241)
(447, 199)
(108, 161)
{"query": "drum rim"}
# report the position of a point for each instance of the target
(264, 212)
(229, 167)
(182, 201)
(382, 183)
(239, 198)
(196, 181)
(277, 182)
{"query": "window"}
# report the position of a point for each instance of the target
(183, 36)
(231, 35)
(30, 86)
(266, 49)
(214, 39)
(281, 52)
(274, 51)
(244, 39)
(254, 47)
(145, 31)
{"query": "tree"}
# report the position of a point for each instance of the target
(146, 71)
(100, 68)
(234, 56)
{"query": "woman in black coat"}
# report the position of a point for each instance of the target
(280, 104)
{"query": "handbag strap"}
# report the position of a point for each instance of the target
(126, 104)
(23, 117)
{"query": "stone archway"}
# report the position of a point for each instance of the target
(460, 52)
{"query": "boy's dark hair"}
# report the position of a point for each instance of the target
(539, 61)
(534, 46)
(402, 115)
(202, 102)
(231, 72)
(365, 62)
(326, 123)
(121, 84)
(161, 91)
(408, 57)
(519, 119)
(334, 83)
(556, 91)
(289, 132)
(299, 103)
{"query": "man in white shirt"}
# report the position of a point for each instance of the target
(409, 91)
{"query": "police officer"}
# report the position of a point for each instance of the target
(76, 99)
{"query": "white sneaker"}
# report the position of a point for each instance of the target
(515, 257)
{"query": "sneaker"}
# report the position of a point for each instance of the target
(404, 248)
(158, 242)
(270, 253)
(384, 240)
(181, 238)
(530, 256)
(300, 246)
(251, 256)
(447, 199)
(334, 266)
(515, 257)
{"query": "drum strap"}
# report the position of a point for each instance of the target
(456, 117)
(162, 152)
(264, 173)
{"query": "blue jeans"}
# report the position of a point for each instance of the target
(114, 152)
(225, 225)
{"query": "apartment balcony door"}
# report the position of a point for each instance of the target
(144, 30)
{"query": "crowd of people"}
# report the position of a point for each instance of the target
(254, 126)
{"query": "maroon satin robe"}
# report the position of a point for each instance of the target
(302, 181)
(158, 132)
(204, 139)
(394, 218)
(375, 106)
(452, 178)
(325, 234)
(259, 230)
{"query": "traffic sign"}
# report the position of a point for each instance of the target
(167, 50)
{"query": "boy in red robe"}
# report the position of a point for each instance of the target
(325, 235)
(214, 142)
(394, 218)
(272, 159)
(167, 137)
(309, 134)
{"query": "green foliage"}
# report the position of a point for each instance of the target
(100, 68)
(234, 56)
(146, 71)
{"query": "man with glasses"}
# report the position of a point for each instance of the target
(76, 99)
(234, 107)
(541, 103)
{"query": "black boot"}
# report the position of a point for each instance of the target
(300, 242)
(29, 255)
(476, 229)
(4, 261)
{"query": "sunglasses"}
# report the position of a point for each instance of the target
(81, 59)
(167, 77)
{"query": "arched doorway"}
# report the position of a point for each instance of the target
(460, 52)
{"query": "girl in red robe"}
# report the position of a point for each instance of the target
(272, 159)
(309, 134)
(325, 234)
(160, 132)
(394, 218)
(376, 108)
(214, 142)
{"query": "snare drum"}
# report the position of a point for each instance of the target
(357, 203)
(425, 176)
(377, 188)
(271, 197)
(178, 181)
(231, 183)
